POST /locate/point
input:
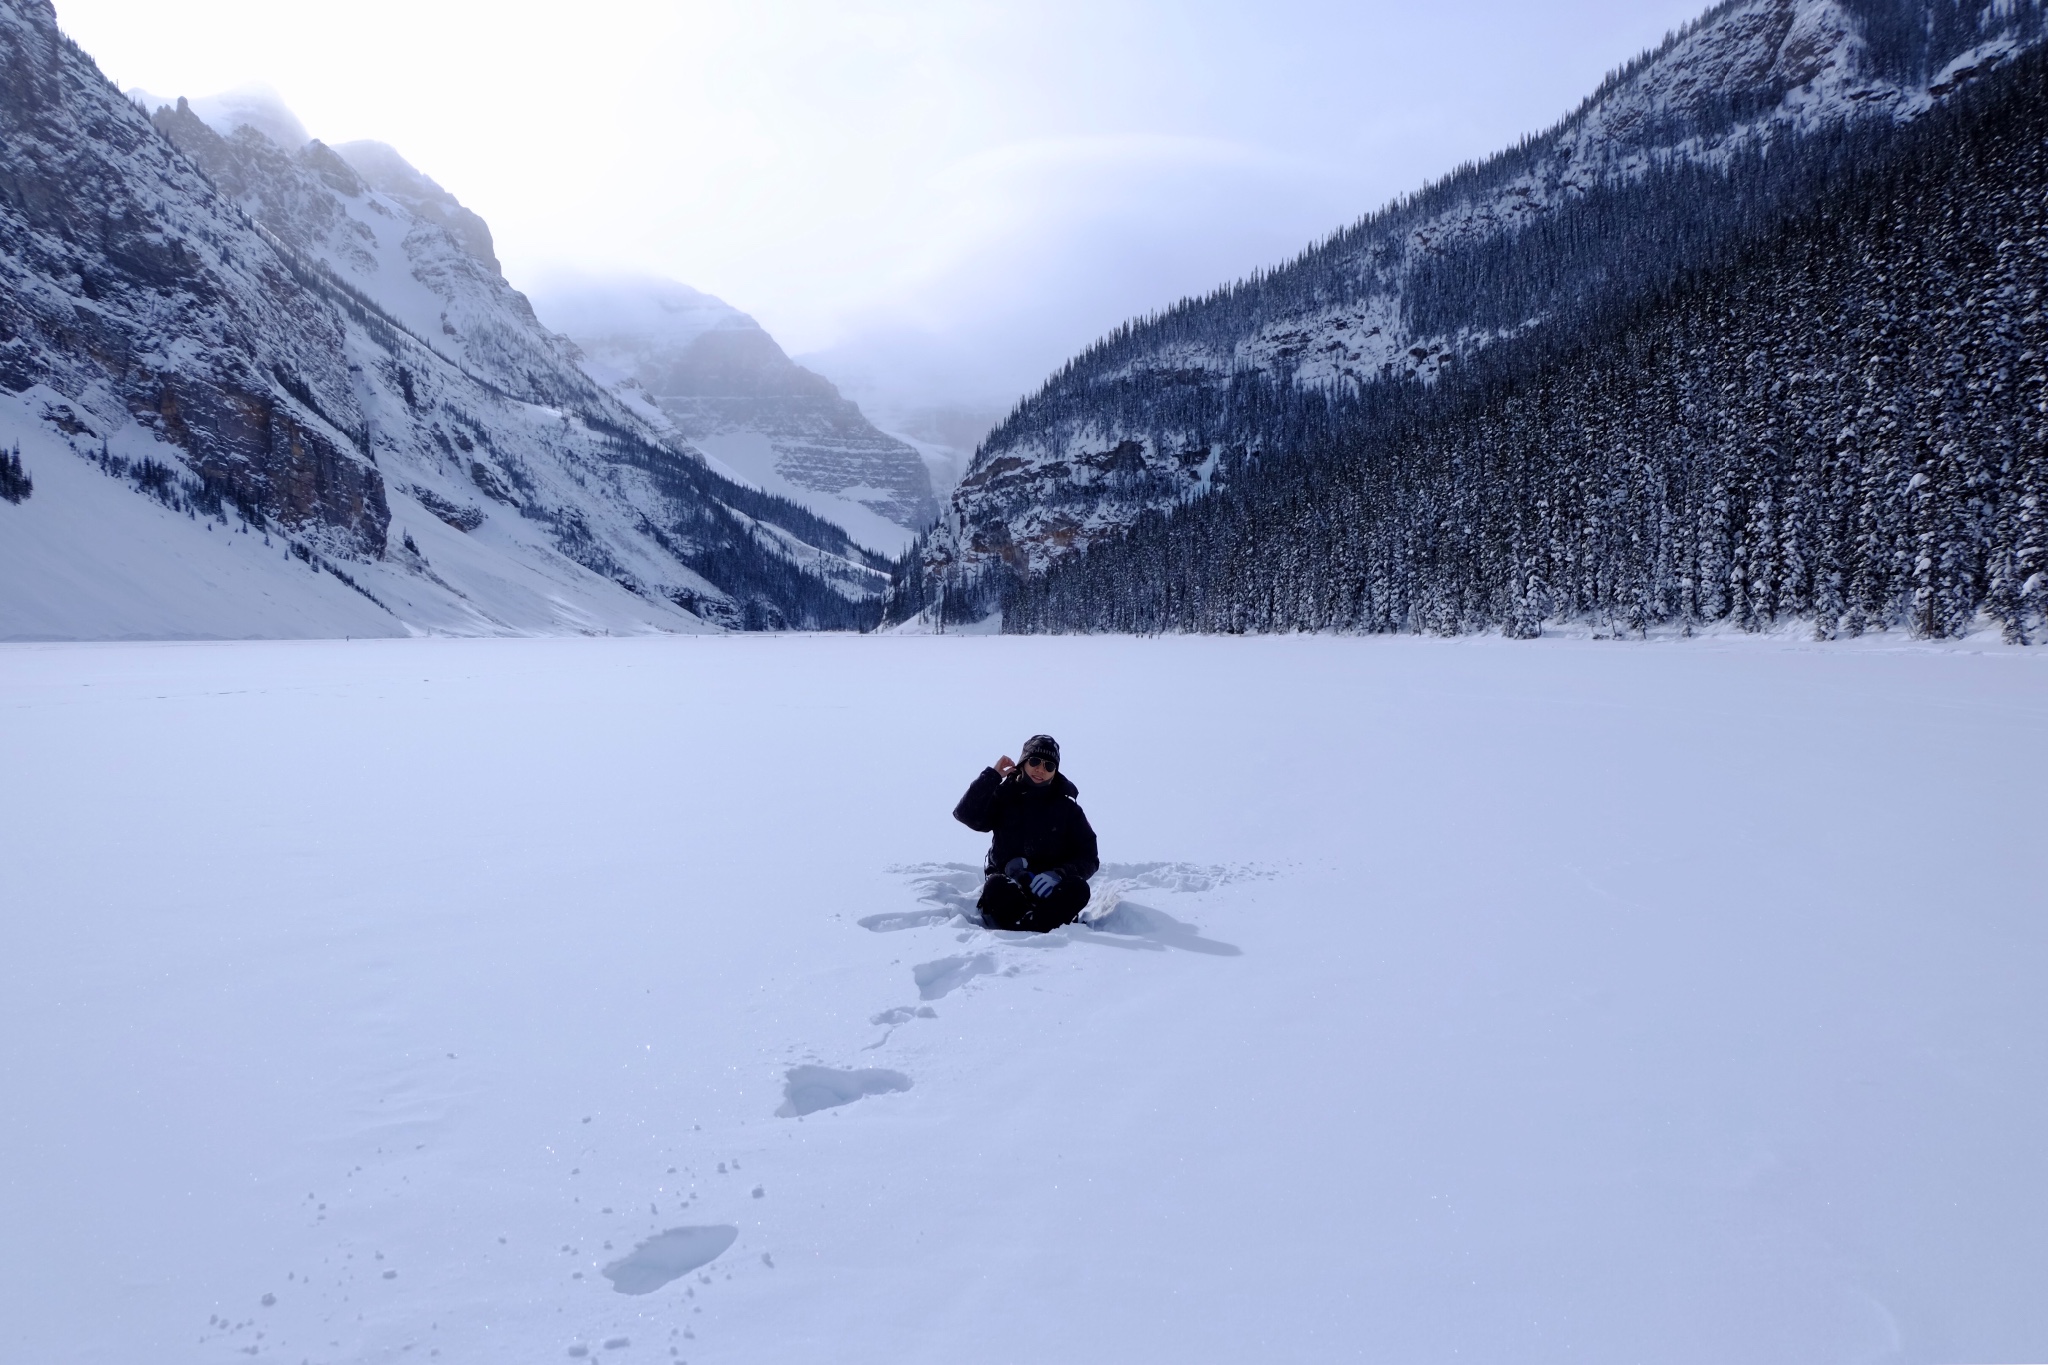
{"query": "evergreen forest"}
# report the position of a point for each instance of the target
(1829, 404)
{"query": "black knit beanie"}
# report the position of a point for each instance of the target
(1044, 745)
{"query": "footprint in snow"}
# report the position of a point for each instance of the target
(947, 891)
(669, 1256)
(904, 919)
(807, 1089)
(895, 1019)
(903, 1014)
(949, 974)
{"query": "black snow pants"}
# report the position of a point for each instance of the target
(1006, 904)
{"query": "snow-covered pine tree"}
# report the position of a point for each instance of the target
(15, 483)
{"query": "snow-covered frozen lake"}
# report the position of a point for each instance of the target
(1567, 1001)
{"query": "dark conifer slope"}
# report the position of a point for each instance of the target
(1678, 164)
(1842, 417)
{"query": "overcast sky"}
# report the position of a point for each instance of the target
(954, 195)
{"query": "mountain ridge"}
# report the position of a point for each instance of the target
(1130, 426)
(1839, 423)
(261, 342)
(723, 384)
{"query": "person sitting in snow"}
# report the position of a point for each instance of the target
(1043, 852)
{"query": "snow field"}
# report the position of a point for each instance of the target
(86, 557)
(1556, 1001)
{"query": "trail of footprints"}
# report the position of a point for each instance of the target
(946, 894)
(343, 1308)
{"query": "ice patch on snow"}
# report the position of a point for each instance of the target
(669, 1256)
(807, 1089)
(949, 974)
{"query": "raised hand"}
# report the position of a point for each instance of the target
(1005, 766)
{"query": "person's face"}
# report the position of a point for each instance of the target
(1040, 769)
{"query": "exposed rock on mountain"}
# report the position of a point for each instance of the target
(192, 333)
(260, 341)
(729, 389)
(390, 174)
(1654, 175)
(396, 236)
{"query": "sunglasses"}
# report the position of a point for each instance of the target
(1039, 761)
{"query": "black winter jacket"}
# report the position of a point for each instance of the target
(1039, 824)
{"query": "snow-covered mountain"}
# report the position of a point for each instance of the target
(264, 389)
(945, 417)
(1839, 422)
(1143, 420)
(728, 388)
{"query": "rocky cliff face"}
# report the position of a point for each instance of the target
(192, 332)
(1148, 417)
(325, 344)
(386, 172)
(386, 230)
(730, 390)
